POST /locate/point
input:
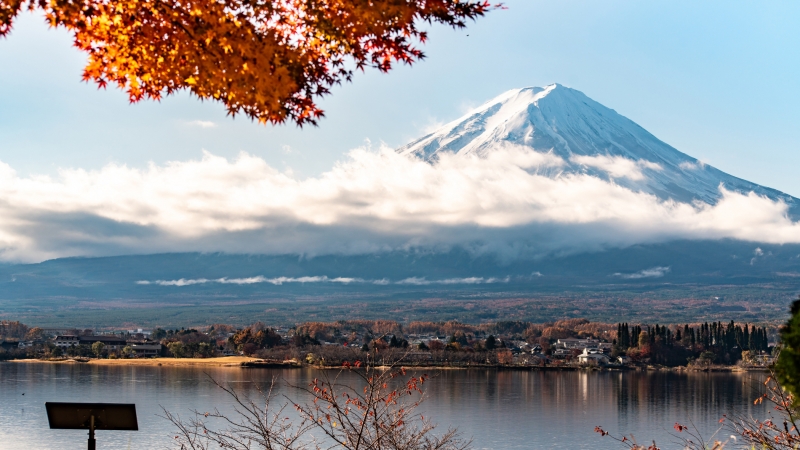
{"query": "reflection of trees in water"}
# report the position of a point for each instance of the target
(696, 396)
(624, 400)
(629, 395)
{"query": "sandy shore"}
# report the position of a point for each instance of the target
(225, 361)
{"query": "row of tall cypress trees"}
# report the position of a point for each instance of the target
(706, 336)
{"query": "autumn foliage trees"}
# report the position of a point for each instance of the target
(12, 329)
(251, 339)
(455, 343)
(269, 60)
(189, 343)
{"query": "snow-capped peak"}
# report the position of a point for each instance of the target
(590, 139)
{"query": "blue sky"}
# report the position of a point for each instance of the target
(717, 80)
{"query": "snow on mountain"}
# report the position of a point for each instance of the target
(584, 137)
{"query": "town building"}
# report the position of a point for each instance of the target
(578, 344)
(111, 342)
(562, 353)
(66, 341)
(146, 349)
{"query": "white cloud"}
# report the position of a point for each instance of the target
(251, 280)
(417, 281)
(687, 165)
(203, 124)
(654, 272)
(756, 254)
(278, 281)
(617, 166)
(371, 202)
(181, 282)
(431, 125)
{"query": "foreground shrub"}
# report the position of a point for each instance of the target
(377, 412)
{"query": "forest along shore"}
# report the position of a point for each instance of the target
(567, 344)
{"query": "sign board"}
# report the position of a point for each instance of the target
(78, 416)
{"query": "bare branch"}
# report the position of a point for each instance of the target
(377, 412)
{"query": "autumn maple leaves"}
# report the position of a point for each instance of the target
(269, 60)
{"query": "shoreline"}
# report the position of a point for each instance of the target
(245, 362)
(223, 361)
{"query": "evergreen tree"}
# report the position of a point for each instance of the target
(746, 337)
(788, 365)
(491, 343)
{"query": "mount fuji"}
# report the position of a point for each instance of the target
(584, 137)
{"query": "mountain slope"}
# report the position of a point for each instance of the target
(721, 262)
(586, 138)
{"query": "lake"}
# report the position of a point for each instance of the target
(499, 409)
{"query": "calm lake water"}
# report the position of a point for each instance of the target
(498, 409)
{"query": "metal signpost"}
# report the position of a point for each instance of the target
(92, 416)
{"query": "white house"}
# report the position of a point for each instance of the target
(589, 358)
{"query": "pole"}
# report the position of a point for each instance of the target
(91, 433)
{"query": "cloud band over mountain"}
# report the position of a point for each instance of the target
(371, 202)
(277, 281)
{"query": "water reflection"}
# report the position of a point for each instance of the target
(502, 409)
